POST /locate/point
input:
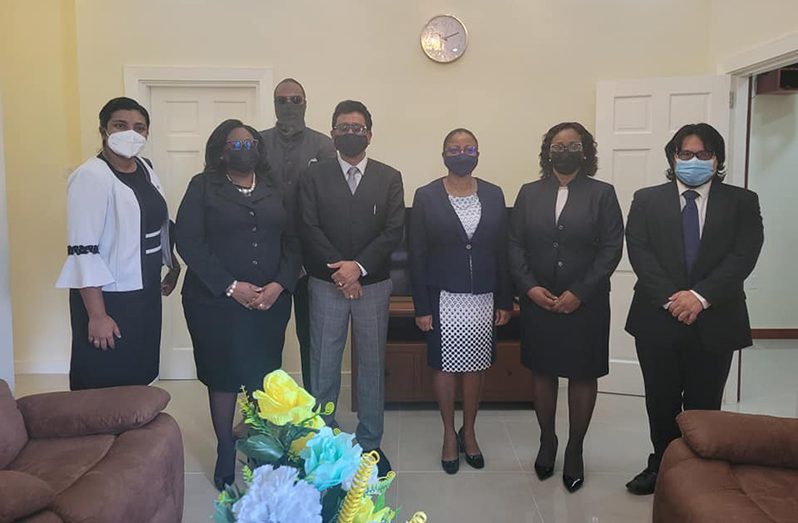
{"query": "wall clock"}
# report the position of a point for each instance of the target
(444, 39)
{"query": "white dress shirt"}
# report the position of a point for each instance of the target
(562, 198)
(701, 203)
(361, 168)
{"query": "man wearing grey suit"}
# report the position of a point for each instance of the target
(352, 211)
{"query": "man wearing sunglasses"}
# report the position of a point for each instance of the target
(352, 211)
(290, 148)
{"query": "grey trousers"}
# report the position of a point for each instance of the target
(330, 313)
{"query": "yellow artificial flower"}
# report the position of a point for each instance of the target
(366, 513)
(283, 401)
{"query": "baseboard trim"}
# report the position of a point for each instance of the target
(41, 366)
(774, 334)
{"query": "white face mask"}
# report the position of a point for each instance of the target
(126, 143)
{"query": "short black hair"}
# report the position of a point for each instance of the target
(121, 104)
(289, 81)
(459, 130)
(589, 163)
(352, 106)
(713, 142)
(214, 149)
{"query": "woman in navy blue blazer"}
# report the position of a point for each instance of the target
(461, 285)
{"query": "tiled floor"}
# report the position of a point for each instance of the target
(507, 489)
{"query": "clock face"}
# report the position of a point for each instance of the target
(444, 39)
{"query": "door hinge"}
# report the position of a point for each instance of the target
(731, 99)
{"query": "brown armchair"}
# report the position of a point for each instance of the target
(104, 455)
(729, 468)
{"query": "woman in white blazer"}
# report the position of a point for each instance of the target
(118, 240)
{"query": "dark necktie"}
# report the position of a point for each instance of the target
(690, 229)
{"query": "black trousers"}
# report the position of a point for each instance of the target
(683, 376)
(302, 320)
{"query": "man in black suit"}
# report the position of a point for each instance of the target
(352, 212)
(692, 242)
(290, 147)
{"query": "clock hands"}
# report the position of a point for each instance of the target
(451, 35)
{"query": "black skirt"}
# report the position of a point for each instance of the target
(572, 345)
(235, 346)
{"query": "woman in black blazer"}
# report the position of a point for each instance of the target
(236, 235)
(461, 285)
(566, 238)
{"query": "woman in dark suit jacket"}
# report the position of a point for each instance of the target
(236, 236)
(566, 238)
(461, 285)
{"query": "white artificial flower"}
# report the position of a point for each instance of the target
(277, 496)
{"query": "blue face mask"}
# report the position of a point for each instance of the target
(694, 172)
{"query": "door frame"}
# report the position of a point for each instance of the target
(743, 68)
(6, 335)
(139, 81)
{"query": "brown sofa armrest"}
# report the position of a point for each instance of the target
(97, 411)
(23, 495)
(746, 439)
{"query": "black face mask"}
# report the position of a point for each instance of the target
(242, 160)
(566, 162)
(351, 145)
(290, 118)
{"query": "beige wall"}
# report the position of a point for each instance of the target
(740, 25)
(40, 102)
(530, 64)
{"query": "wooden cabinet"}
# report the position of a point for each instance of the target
(408, 378)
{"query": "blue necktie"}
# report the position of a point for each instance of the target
(690, 229)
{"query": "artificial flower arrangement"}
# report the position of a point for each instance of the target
(299, 470)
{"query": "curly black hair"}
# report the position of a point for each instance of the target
(214, 149)
(589, 163)
(713, 142)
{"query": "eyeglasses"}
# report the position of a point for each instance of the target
(296, 100)
(237, 145)
(353, 128)
(701, 155)
(454, 150)
(573, 147)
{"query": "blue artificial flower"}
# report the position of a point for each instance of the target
(330, 460)
(278, 496)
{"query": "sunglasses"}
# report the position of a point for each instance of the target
(237, 145)
(701, 155)
(282, 100)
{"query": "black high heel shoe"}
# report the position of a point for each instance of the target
(477, 461)
(221, 482)
(450, 467)
(546, 471)
(573, 483)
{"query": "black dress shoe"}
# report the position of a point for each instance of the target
(477, 461)
(546, 471)
(221, 482)
(450, 466)
(644, 483)
(572, 484)
(383, 465)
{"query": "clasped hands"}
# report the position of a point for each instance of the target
(684, 306)
(254, 297)
(565, 303)
(347, 278)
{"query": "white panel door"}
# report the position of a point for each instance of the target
(634, 121)
(182, 120)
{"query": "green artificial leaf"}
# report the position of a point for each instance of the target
(262, 448)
